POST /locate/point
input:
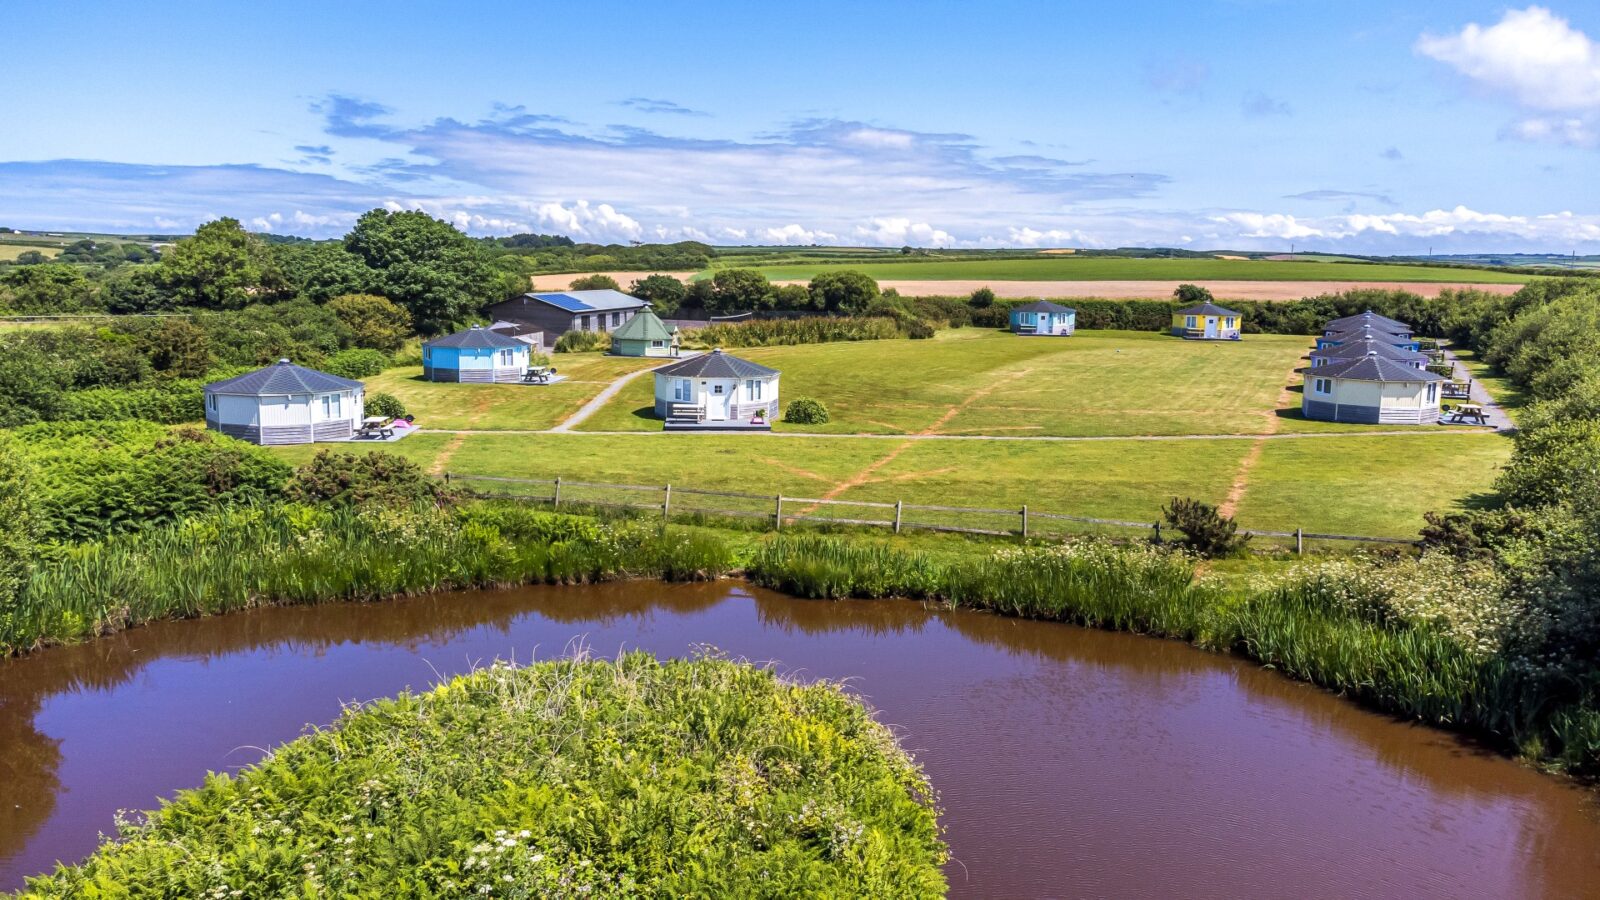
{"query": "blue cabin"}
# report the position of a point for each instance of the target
(1042, 317)
(1368, 333)
(477, 355)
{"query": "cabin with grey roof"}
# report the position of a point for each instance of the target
(716, 391)
(285, 404)
(1371, 390)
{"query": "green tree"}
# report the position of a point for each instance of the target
(322, 270)
(31, 384)
(439, 275)
(31, 258)
(982, 298)
(221, 267)
(19, 531)
(177, 347)
(374, 322)
(791, 296)
(596, 282)
(663, 292)
(47, 289)
(1192, 295)
(737, 290)
(844, 292)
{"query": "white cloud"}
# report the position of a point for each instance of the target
(1050, 237)
(1531, 54)
(1265, 225)
(1573, 130)
(794, 234)
(582, 221)
(898, 230)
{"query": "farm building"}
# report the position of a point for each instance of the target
(716, 391)
(1042, 317)
(1371, 390)
(1207, 322)
(1404, 342)
(1368, 319)
(1358, 349)
(285, 404)
(558, 312)
(645, 335)
(477, 354)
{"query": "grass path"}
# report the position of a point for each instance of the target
(1241, 480)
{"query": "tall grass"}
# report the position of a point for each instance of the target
(784, 332)
(256, 556)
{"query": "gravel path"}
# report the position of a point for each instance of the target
(1499, 420)
(590, 408)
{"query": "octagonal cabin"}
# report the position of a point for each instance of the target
(285, 404)
(1371, 390)
(477, 355)
(1207, 322)
(1042, 317)
(716, 391)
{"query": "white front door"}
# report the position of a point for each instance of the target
(717, 403)
(1211, 326)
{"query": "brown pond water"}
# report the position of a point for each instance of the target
(1069, 762)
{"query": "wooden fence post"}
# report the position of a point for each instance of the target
(666, 503)
(1158, 532)
(558, 491)
(1024, 520)
(447, 481)
(898, 505)
(777, 514)
(1299, 541)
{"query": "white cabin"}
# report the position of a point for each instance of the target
(285, 404)
(716, 390)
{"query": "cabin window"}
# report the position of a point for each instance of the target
(583, 323)
(752, 389)
(505, 357)
(716, 389)
(682, 390)
(616, 319)
(1433, 392)
(211, 402)
(1322, 386)
(1190, 322)
(658, 343)
(330, 406)
(1228, 323)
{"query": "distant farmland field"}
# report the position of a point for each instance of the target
(10, 251)
(1075, 268)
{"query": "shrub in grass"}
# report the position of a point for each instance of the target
(982, 298)
(346, 479)
(568, 778)
(805, 411)
(1205, 530)
(582, 341)
(356, 363)
(387, 405)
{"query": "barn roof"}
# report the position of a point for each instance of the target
(284, 377)
(716, 364)
(1358, 349)
(1208, 309)
(644, 326)
(587, 301)
(476, 337)
(1374, 368)
(1043, 306)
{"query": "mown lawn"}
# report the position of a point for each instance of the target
(1379, 485)
(501, 407)
(1376, 485)
(1071, 268)
(970, 381)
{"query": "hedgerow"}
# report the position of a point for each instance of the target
(570, 778)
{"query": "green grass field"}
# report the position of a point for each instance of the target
(9, 251)
(1377, 486)
(1071, 268)
(500, 407)
(971, 381)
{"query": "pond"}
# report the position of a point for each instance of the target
(1069, 762)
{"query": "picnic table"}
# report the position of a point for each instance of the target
(538, 374)
(1469, 411)
(376, 427)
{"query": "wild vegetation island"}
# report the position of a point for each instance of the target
(1491, 629)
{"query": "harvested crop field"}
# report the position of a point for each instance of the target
(1134, 290)
(562, 281)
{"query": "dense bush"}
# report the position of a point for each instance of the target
(782, 332)
(567, 778)
(594, 283)
(663, 292)
(99, 478)
(373, 321)
(805, 411)
(982, 298)
(346, 479)
(844, 292)
(1205, 530)
(19, 528)
(582, 341)
(380, 404)
(356, 363)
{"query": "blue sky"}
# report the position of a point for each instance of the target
(1250, 124)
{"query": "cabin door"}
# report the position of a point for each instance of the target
(717, 403)
(1211, 326)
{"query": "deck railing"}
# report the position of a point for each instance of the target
(778, 510)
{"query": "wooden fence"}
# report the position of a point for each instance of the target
(779, 509)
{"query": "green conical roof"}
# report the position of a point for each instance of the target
(644, 326)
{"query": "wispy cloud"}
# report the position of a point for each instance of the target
(667, 107)
(1259, 105)
(1177, 75)
(1332, 195)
